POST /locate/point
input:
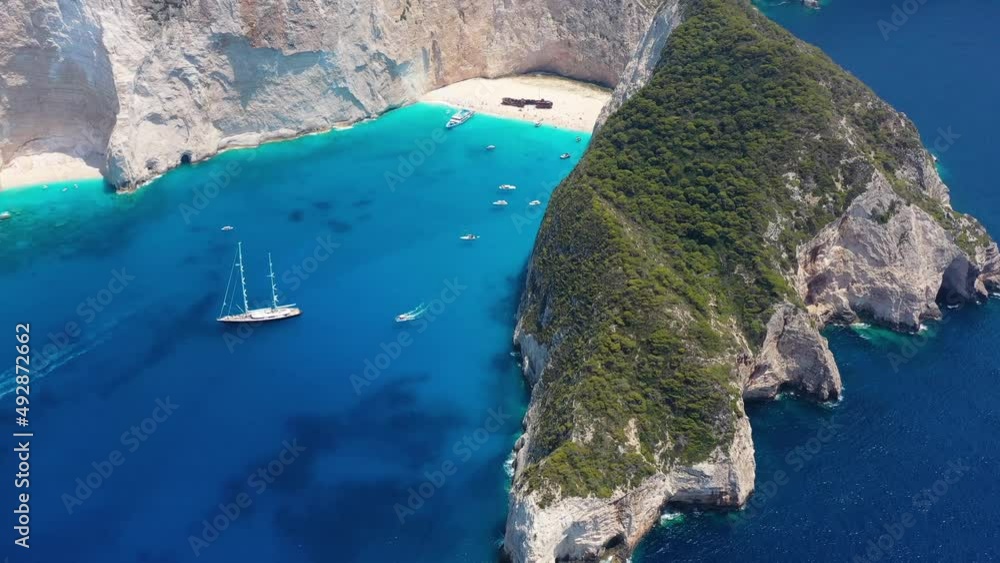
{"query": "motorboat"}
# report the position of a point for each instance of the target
(459, 118)
(411, 315)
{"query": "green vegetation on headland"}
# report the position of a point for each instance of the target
(673, 239)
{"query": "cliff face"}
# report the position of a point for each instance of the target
(743, 193)
(136, 85)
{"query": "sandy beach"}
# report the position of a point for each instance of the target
(576, 105)
(43, 168)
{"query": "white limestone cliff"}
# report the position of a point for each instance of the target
(576, 529)
(135, 86)
(890, 262)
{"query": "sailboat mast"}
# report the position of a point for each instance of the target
(243, 281)
(274, 287)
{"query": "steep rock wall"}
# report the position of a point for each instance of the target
(136, 85)
(892, 253)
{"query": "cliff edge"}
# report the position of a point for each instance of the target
(746, 193)
(137, 87)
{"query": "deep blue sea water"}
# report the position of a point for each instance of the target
(830, 479)
(875, 467)
(121, 293)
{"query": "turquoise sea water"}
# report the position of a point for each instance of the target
(167, 416)
(904, 468)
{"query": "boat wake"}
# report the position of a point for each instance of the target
(412, 315)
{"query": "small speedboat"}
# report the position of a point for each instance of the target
(227, 228)
(64, 189)
(45, 187)
(469, 236)
(500, 203)
(534, 202)
(564, 155)
(578, 139)
(4, 215)
(538, 124)
(490, 147)
(508, 187)
(411, 315)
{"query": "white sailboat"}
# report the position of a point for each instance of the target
(245, 314)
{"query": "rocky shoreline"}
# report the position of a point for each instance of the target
(892, 258)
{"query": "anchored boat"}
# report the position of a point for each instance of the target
(459, 118)
(245, 314)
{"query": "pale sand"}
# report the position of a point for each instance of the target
(42, 168)
(576, 105)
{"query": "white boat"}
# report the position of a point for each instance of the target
(534, 202)
(500, 203)
(538, 124)
(490, 147)
(64, 189)
(564, 155)
(459, 118)
(411, 315)
(245, 314)
(508, 187)
(469, 236)
(4, 215)
(578, 139)
(227, 228)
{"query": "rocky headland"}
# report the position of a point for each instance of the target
(746, 193)
(741, 192)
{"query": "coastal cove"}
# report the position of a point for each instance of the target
(914, 438)
(348, 413)
(725, 252)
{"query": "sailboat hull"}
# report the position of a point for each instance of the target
(262, 315)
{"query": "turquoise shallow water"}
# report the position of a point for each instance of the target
(904, 467)
(121, 293)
